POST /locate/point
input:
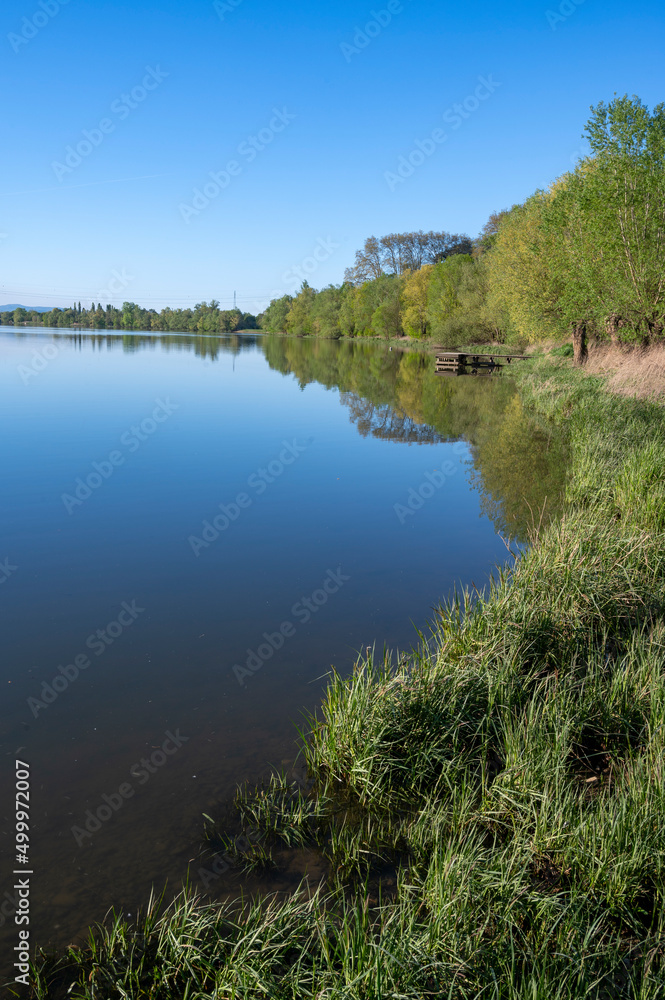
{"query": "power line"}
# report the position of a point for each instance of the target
(68, 295)
(97, 293)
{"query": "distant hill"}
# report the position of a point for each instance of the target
(38, 309)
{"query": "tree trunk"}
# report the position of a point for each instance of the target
(580, 351)
(612, 327)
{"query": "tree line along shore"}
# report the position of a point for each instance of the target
(582, 259)
(205, 317)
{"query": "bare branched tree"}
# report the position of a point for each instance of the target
(400, 252)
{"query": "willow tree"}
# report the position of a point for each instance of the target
(606, 228)
(458, 308)
(519, 272)
(624, 204)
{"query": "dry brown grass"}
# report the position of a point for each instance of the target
(631, 371)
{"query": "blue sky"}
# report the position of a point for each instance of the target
(180, 88)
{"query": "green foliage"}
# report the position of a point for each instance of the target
(587, 251)
(398, 253)
(204, 318)
(458, 308)
(299, 319)
(625, 128)
(415, 288)
(274, 318)
(376, 307)
(564, 351)
(590, 249)
(326, 308)
(387, 318)
(519, 273)
(446, 301)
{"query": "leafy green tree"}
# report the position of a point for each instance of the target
(587, 254)
(414, 301)
(617, 205)
(459, 309)
(299, 319)
(326, 309)
(275, 316)
(487, 237)
(520, 277)
(129, 310)
(397, 253)
(366, 300)
(229, 320)
(347, 316)
(247, 321)
(370, 319)
(387, 317)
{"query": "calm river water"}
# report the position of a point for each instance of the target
(194, 529)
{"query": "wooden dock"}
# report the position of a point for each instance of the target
(461, 363)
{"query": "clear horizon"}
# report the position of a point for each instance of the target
(173, 155)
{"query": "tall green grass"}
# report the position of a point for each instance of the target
(507, 781)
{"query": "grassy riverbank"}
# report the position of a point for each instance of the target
(492, 811)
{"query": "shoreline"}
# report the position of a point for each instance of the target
(502, 782)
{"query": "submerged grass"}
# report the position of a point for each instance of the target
(510, 776)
